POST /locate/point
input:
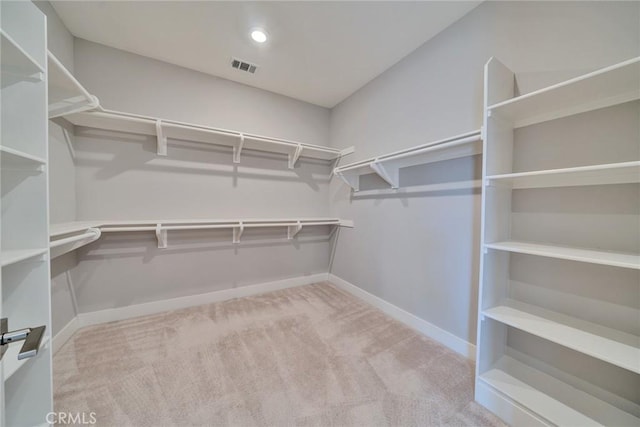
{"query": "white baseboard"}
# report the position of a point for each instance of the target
(453, 342)
(64, 334)
(121, 313)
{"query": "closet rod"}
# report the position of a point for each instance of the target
(93, 233)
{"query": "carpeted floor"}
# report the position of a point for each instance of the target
(308, 356)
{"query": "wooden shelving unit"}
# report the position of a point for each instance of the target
(514, 378)
(25, 288)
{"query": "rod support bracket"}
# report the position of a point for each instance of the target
(293, 230)
(162, 139)
(237, 149)
(293, 157)
(161, 235)
(237, 232)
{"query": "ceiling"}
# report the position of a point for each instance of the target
(319, 52)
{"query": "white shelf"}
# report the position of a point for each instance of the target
(17, 65)
(292, 225)
(611, 346)
(613, 173)
(572, 407)
(13, 256)
(168, 129)
(574, 254)
(66, 94)
(602, 88)
(387, 166)
(16, 159)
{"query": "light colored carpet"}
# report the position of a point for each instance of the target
(307, 356)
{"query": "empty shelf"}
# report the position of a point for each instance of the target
(608, 345)
(17, 65)
(387, 166)
(613, 173)
(602, 88)
(519, 383)
(16, 159)
(574, 254)
(168, 129)
(66, 94)
(13, 256)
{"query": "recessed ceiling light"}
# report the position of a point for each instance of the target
(258, 35)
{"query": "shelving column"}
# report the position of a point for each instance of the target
(25, 282)
(554, 347)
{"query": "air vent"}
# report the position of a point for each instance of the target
(241, 65)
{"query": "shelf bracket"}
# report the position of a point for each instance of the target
(390, 175)
(352, 181)
(293, 230)
(237, 149)
(293, 158)
(237, 232)
(162, 139)
(161, 235)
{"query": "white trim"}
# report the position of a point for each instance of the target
(64, 334)
(154, 307)
(451, 341)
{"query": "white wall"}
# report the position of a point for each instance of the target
(421, 251)
(119, 176)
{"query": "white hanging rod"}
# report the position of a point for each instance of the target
(91, 233)
(414, 151)
(60, 84)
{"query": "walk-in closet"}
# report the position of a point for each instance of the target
(314, 213)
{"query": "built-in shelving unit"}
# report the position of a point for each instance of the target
(66, 94)
(540, 359)
(25, 298)
(169, 129)
(388, 166)
(66, 235)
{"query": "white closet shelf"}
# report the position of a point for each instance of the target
(16, 159)
(518, 382)
(388, 166)
(17, 255)
(169, 129)
(161, 227)
(66, 94)
(611, 346)
(608, 86)
(615, 259)
(17, 65)
(612, 173)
